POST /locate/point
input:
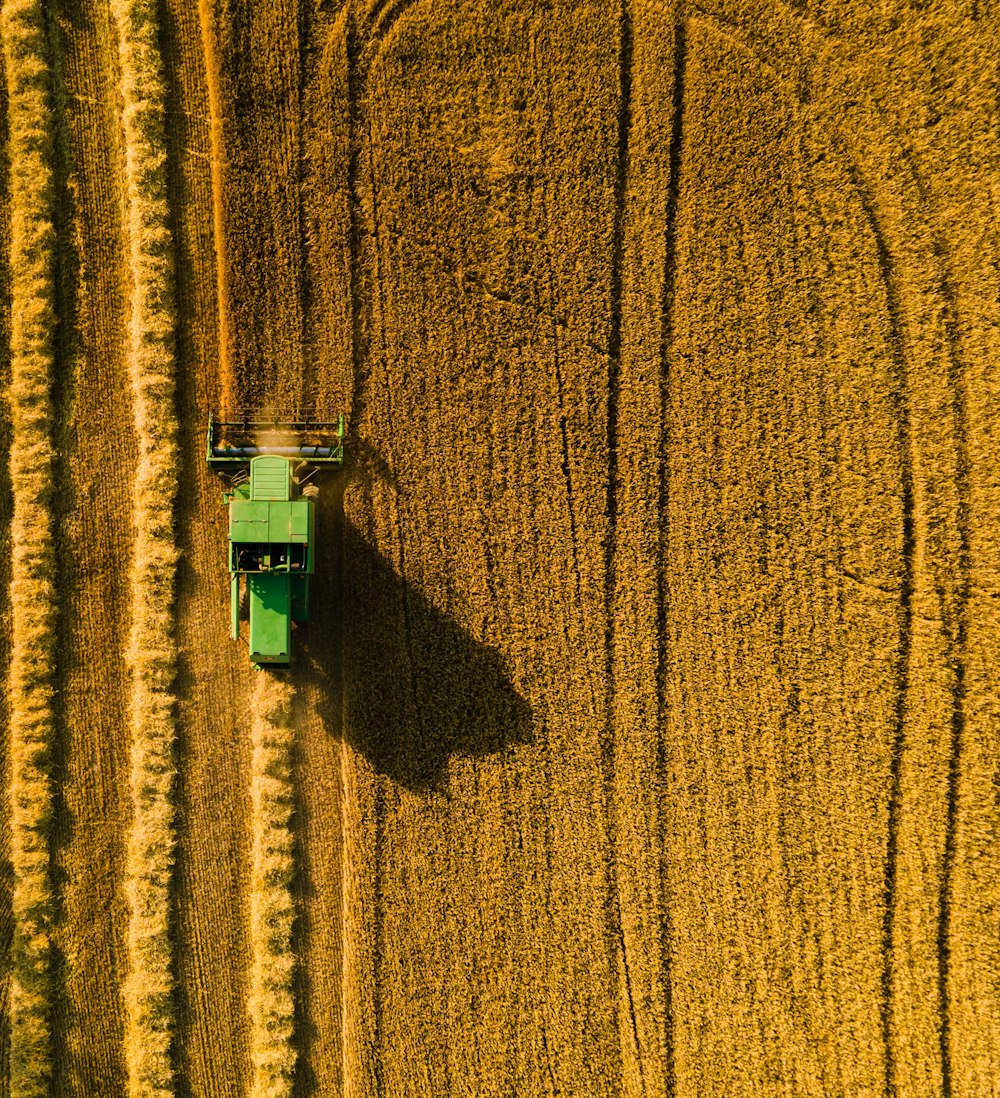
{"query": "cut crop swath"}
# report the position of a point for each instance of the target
(32, 593)
(272, 1005)
(149, 989)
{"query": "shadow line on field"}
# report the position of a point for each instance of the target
(404, 685)
(616, 948)
(402, 682)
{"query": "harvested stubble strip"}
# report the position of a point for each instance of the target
(152, 652)
(32, 593)
(272, 1004)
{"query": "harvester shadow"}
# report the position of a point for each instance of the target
(413, 688)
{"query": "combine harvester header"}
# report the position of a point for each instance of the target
(272, 521)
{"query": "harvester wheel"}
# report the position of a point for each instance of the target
(310, 491)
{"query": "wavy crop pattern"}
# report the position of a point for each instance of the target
(272, 1005)
(32, 592)
(152, 652)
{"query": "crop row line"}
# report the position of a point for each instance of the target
(151, 653)
(32, 591)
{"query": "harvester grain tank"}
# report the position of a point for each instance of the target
(272, 522)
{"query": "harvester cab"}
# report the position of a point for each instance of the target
(272, 501)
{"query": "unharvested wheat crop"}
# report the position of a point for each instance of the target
(644, 727)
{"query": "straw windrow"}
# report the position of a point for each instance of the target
(152, 652)
(272, 1004)
(32, 592)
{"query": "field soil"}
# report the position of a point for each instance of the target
(644, 738)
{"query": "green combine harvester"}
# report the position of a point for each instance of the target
(272, 522)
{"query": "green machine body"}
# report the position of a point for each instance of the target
(272, 526)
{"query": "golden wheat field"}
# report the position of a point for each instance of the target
(645, 738)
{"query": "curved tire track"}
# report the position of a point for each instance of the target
(272, 1005)
(816, 72)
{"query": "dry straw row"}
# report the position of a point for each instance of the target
(149, 999)
(32, 594)
(272, 1005)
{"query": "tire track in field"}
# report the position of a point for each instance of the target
(367, 1069)
(955, 615)
(565, 464)
(613, 906)
(152, 655)
(948, 866)
(358, 1071)
(954, 610)
(228, 387)
(901, 391)
(379, 22)
(308, 384)
(954, 618)
(32, 589)
(383, 17)
(366, 35)
(670, 268)
(351, 1064)
(821, 54)
(956, 624)
(355, 93)
(363, 321)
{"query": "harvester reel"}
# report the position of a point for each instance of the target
(232, 444)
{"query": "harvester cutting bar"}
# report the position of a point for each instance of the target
(284, 424)
(245, 453)
(236, 442)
